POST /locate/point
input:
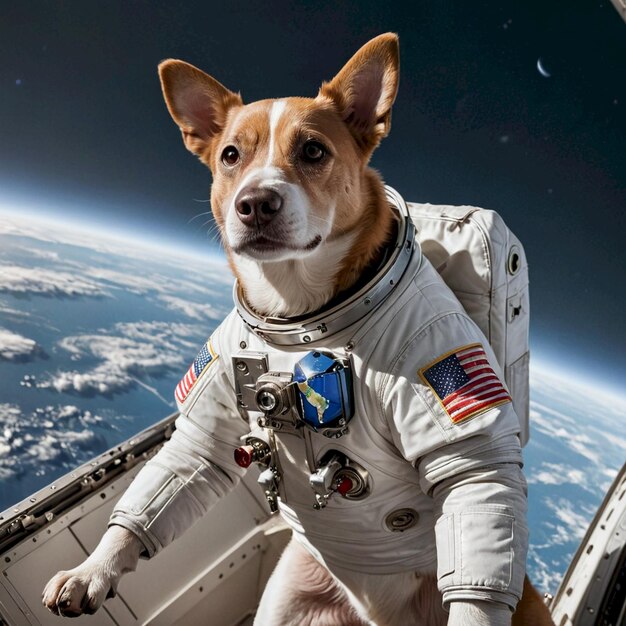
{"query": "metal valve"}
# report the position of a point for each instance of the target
(258, 451)
(351, 482)
(338, 474)
(255, 451)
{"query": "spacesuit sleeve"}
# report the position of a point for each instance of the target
(450, 415)
(194, 468)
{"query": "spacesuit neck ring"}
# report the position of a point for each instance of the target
(325, 323)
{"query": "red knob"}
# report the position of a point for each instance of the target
(344, 486)
(244, 456)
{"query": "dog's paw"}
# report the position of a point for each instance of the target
(84, 588)
(77, 591)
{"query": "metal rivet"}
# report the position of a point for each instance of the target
(367, 301)
(306, 339)
(401, 520)
(349, 346)
(241, 366)
(243, 345)
(514, 262)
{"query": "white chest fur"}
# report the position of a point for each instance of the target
(292, 287)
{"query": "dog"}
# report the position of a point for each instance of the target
(307, 228)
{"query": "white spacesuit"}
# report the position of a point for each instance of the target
(420, 469)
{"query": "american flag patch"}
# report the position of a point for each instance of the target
(205, 357)
(464, 383)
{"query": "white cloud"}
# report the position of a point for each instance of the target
(7, 310)
(209, 274)
(203, 282)
(542, 574)
(192, 310)
(130, 281)
(547, 425)
(614, 439)
(576, 521)
(14, 347)
(101, 380)
(558, 474)
(127, 354)
(542, 409)
(37, 280)
(46, 439)
(577, 441)
(96, 239)
(610, 472)
(574, 388)
(42, 254)
(584, 445)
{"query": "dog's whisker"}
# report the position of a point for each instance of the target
(213, 236)
(339, 230)
(317, 218)
(195, 217)
(212, 232)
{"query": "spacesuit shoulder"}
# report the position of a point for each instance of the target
(442, 385)
(207, 366)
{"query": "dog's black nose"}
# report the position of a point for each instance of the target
(257, 206)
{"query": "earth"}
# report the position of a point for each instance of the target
(95, 333)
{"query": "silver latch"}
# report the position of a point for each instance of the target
(338, 474)
(514, 307)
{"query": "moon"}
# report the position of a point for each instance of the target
(542, 70)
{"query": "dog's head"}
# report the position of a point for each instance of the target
(288, 174)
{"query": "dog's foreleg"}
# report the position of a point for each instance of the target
(479, 613)
(84, 588)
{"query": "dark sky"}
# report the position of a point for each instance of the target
(84, 131)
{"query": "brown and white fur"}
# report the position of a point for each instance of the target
(301, 217)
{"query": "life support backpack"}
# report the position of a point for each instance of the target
(484, 264)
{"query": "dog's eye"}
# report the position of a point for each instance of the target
(230, 155)
(313, 151)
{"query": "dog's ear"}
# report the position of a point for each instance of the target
(196, 101)
(365, 88)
